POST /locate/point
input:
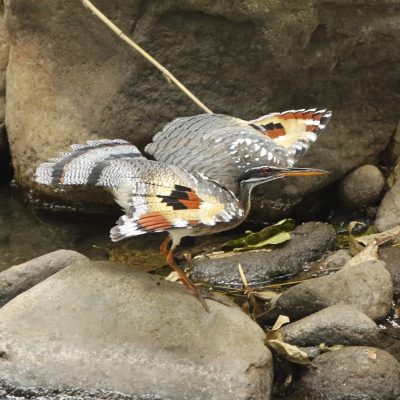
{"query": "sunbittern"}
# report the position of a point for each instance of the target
(201, 180)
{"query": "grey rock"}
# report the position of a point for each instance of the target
(11, 391)
(4, 52)
(361, 187)
(366, 286)
(394, 150)
(391, 256)
(388, 215)
(70, 52)
(19, 278)
(335, 260)
(102, 325)
(351, 373)
(308, 242)
(338, 324)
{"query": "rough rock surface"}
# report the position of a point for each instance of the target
(388, 214)
(308, 242)
(70, 79)
(362, 187)
(11, 391)
(336, 260)
(102, 325)
(356, 373)
(391, 256)
(366, 286)
(338, 324)
(19, 278)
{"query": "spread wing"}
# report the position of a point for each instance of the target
(155, 196)
(221, 147)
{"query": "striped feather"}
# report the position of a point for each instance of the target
(85, 163)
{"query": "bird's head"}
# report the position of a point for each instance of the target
(257, 175)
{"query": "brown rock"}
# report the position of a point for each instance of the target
(70, 79)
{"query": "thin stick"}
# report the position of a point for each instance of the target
(167, 75)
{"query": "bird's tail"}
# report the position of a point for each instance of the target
(85, 164)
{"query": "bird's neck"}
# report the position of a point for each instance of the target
(245, 196)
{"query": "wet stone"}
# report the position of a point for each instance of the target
(309, 242)
(366, 286)
(338, 324)
(351, 373)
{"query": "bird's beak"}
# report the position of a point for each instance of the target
(302, 172)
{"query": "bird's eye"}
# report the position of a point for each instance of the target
(266, 170)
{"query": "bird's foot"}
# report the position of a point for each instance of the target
(203, 294)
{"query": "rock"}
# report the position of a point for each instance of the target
(335, 260)
(19, 278)
(356, 373)
(10, 391)
(388, 215)
(4, 51)
(308, 242)
(362, 187)
(102, 325)
(391, 257)
(70, 79)
(366, 286)
(394, 148)
(338, 324)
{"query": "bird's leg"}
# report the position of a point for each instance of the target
(184, 278)
(164, 246)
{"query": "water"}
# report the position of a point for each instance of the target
(26, 233)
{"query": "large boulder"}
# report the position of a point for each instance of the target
(102, 325)
(70, 79)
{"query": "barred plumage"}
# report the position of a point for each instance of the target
(201, 179)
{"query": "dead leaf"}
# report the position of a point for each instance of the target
(325, 349)
(369, 253)
(391, 235)
(173, 277)
(288, 351)
(266, 294)
(371, 354)
(274, 332)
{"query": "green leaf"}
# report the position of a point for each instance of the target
(270, 235)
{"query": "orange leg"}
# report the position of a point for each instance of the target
(185, 280)
(164, 246)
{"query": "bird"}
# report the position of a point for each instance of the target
(198, 175)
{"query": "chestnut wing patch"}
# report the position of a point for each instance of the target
(182, 198)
